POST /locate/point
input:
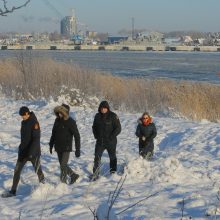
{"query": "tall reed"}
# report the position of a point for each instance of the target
(31, 78)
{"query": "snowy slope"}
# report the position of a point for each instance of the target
(184, 172)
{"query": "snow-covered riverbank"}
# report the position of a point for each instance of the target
(184, 172)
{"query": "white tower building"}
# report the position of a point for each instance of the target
(69, 26)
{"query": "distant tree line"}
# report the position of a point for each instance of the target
(193, 34)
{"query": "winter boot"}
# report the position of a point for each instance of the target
(8, 194)
(149, 156)
(113, 166)
(73, 178)
(42, 181)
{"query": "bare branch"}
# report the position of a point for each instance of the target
(147, 197)
(93, 212)
(6, 10)
(182, 207)
(116, 193)
(218, 195)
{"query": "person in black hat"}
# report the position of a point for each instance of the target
(64, 129)
(106, 127)
(29, 148)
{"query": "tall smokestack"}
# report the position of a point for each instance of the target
(132, 31)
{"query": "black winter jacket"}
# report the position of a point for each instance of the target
(106, 127)
(149, 132)
(30, 138)
(62, 135)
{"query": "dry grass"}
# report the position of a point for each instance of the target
(32, 78)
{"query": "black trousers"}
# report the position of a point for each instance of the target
(63, 158)
(98, 155)
(19, 166)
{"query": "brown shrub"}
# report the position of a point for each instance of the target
(32, 78)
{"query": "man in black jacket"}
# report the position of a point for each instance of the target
(64, 129)
(29, 148)
(106, 127)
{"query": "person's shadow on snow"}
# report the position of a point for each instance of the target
(171, 140)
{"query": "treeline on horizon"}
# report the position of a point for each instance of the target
(193, 34)
(171, 34)
(28, 77)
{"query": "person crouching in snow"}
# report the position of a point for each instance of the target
(146, 131)
(64, 129)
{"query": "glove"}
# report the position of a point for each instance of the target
(77, 153)
(143, 138)
(51, 149)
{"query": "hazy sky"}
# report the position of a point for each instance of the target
(113, 15)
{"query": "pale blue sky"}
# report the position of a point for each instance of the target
(114, 15)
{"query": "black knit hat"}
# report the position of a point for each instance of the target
(23, 110)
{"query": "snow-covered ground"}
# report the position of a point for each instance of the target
(184, 174)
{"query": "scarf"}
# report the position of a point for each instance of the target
(147, 122)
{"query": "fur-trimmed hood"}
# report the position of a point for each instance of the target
(64, 111)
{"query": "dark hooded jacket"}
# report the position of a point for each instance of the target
(64, 129)
(148, 131)
(30, 138)
(106, 127)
